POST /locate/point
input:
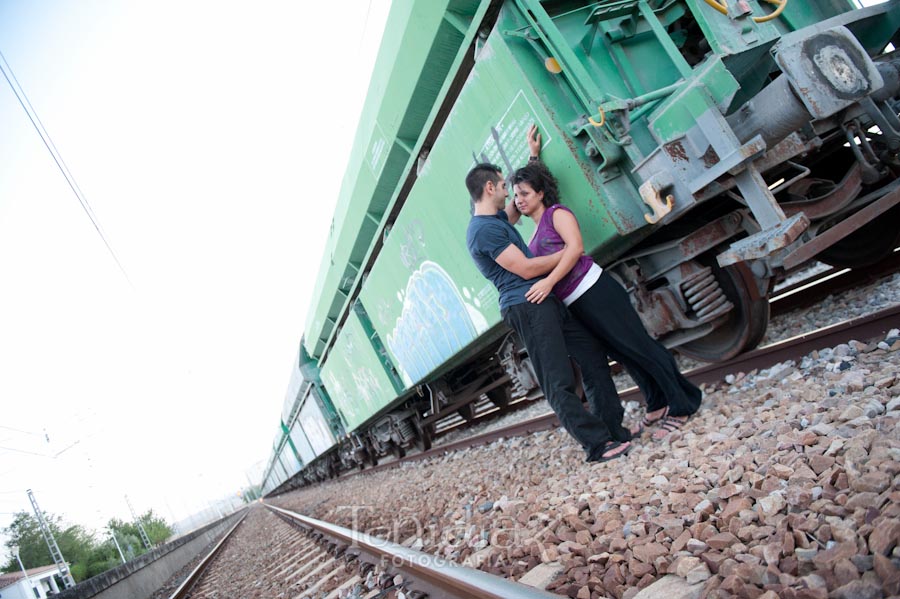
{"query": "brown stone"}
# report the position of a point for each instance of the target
(798, 496)
(661, 564)
(726, 567)
(549, 554)
(820, 463)
(858, 589)
(572, 547)
(681, 542)
(803, 473)
(698, 574)
(695, 546)
(649, 551)
(639, 568)
(831, 556)
(789, 565)
(684, 564)
(808, 438)
(781, 471)
(888, 573)
(744, 533)
(713, 559)
(730, 490)
(735, 506)
(845, 572)
(732, 584)
(771, 553)
(863, 499)
(787, 544)
(721, 540)
(771, 504)
(885, 537)
(871, 482)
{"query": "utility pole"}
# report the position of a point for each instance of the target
(253, 494)
(116, 541)
(55, 553)
(140, 526)
(15, 549)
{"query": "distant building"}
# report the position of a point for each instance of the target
(42, 582)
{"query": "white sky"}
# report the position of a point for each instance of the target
(210, 139)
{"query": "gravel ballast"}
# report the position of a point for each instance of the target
(785, 484)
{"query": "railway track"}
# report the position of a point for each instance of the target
(187, 586)
(859, 329)
(275, 552)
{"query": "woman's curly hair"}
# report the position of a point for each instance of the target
(539, 178)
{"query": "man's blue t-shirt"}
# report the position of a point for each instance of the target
(486, 239)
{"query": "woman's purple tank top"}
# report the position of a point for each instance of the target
(547, 241)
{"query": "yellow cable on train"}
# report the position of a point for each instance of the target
(775, 14)
(723, 8)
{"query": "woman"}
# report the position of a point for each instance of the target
(598, 300)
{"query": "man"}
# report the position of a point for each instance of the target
(503, 258)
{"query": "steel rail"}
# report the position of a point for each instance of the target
(863, 328)
(434, 575)
(813, 289)
(185, 587)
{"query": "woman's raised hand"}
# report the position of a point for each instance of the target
(534, 141)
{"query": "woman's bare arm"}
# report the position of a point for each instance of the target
(567, 227)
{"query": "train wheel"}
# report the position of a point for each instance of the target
(371, 456)
(467, 411)
(745, 326)
(500, 396)
(422, 440)
(867, 245)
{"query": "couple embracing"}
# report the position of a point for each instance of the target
(561, 304)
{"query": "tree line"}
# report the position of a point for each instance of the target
(86, 554)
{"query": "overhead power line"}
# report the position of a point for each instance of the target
(22, 97)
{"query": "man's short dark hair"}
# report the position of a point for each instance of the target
(479, 176)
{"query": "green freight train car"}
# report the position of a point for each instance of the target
(706, 146)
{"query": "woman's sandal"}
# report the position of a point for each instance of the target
(638, 429)
(611, 451)
(648, 422)
(669, 425)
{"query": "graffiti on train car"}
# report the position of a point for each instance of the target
(355, 378)
(436, 321)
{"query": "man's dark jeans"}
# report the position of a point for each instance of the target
(541, 328)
